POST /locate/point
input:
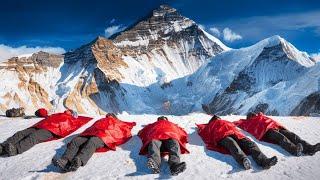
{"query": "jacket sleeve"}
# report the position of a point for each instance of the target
(200, 127)
(238, 123)
(143, 131)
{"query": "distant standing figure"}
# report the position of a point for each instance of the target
(166, 106)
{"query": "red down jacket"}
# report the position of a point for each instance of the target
(112, 131)
(62, 124)
(258, 125)
(216, 130)
(162, 130)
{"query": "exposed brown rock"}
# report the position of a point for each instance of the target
(38, 95)
(109, 58)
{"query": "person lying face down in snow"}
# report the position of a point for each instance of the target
(53, 127)
(164, 138)
(104, 135)
(224, 137)
(266, 129)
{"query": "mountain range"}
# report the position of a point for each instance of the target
(165, 64)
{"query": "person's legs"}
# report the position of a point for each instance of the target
(73, 147)
(71, 151)
(232, 146)
(307, 148)
(173, 147)
(88, 149)
(251, 147)
(18, 136)
(276, 137)
(154, 154)
(28, 142)
(86, 152)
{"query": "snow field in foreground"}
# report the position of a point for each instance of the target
(125, 163)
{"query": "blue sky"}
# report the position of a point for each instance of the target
(238, 23)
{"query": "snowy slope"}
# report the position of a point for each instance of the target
(125, 163)
(164, 46)
(271, 72)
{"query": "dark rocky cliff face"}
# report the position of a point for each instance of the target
(308, 106)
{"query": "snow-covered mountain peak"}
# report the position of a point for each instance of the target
(255, 77)
(272, 41)
(163, 10)
(162, 25)
(164, 45)
(278, 46)
(157, 26)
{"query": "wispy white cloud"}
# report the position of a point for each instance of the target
(113, 29)
(7, 52)
(230, 36)
(215, 31)
(258, 27)
(316, 56)
(112, 21)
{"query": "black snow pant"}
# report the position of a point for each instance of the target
(286, 139)
(169, 145)
(83, 148)
(27, 138)
(236, 147)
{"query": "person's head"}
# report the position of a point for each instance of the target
(214, 117)
(71, 113)
(162, 118)
(42, 112)
(68, 112)
(260, 113)
(111, 115)
(250, 115)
